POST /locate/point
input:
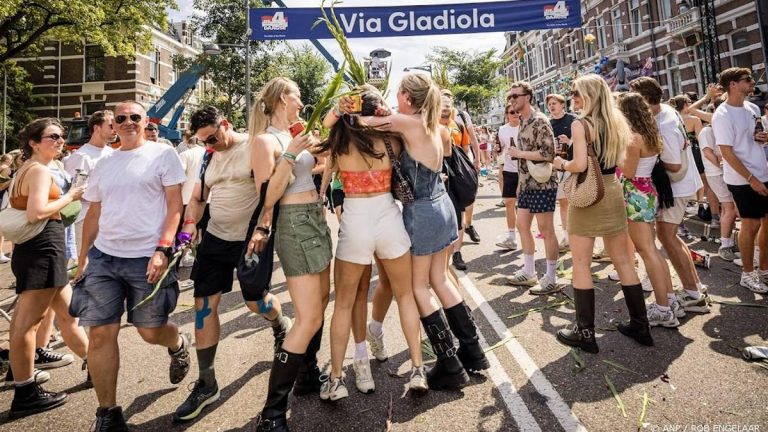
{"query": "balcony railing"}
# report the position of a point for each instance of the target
(684, 23)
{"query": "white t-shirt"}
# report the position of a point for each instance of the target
(673, 135)
(735, 127)
(707, 140)
(85, 159)
(505, 133)
(191, 160)
(131, 188)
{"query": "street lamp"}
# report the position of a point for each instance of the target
(5, 103)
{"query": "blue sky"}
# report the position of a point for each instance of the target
(406, 51)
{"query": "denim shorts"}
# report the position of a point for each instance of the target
(431, 224)
(303, 239)
(111, 284)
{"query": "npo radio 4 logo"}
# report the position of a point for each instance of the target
(276, 22)
(557, 11)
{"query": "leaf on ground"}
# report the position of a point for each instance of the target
(426, 350)
(620, 367)
(550, 305)
(394, 374)
(500, 343)
(580, 363)
(743, 304)
(388, 423)
(619, 402)
(643, 411)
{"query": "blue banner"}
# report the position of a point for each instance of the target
(388, 21)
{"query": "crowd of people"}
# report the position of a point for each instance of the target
(395, 186)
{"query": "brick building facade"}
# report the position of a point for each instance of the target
(669, 32)
(72, 79)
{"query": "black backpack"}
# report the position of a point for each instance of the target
(462, 178)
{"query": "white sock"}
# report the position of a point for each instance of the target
(375, 328)
(25, 382)
(671, 297)
(694, 294)
(551, 266)
(511, 234)
(662, 308)
(528, 267)
(361, 351)
(565, 235)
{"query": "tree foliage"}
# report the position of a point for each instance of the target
(20, 98)
(471, 76)
(120, 27)
(309, 70)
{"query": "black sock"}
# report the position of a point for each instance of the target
(205, 358)
(277, 322)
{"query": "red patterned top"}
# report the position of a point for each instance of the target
(366, 182)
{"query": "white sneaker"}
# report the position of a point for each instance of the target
(752, 282)
(418, 381)
(657, 317)
(363, 378)
(522, 279)
(377, 344)
(187, 260)
(646, 283)
(564, 245)
(4, 259)
(507, 244)
(614, 276)
(547, 286)
(334, 389)
(677, 308)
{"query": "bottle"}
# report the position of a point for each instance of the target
(511, 144)
(759, 129)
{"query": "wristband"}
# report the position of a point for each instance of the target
(290, 156)
(167, 251)
(749, 179)
(189, 222)
(265, 230)
(165, 243)
(336, 111)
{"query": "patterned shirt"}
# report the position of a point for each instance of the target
(536, 135)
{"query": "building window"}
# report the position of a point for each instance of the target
(698, 52)
(634, 17)
(94, 63)
(154, 66)
(573, 49)
(741, 55)
(91, 107)
(673, 74)
(589, 48)
(601, 39)
(665, 10)
(550, 55)
(618, 27)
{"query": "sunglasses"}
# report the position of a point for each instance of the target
(512, 112)
(747, 79)
(515, 96)
(212, 140)
(120, 119)
(575, 93)
(54, 137)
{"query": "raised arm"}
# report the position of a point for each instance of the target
(38, 180)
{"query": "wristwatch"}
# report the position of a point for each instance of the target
(265, 230)
(166, 250)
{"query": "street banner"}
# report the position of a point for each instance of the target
(389, 21)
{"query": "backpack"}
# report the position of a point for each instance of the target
(462, 178)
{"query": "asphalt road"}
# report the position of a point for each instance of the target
(694, 377)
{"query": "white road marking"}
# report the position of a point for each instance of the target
(557, 405)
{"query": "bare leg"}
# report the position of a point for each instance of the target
(678, 254)
(524, 220)
(346, 279)
(104, 362)
(74, 335)
(509, 206)
(360, 309)
(643, 238)
(382, 295)
(581, 248)
(399, 270)
(27, 317)
(308, 295)
(44, 332)
(616, 246)
(546, 223)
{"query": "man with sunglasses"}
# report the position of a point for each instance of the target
(152, 133)
(83, 160)
(508, 177)
(745, 171)
(228, 185)
(135, 196)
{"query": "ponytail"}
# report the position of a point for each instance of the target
(424, 94)
(266, 102)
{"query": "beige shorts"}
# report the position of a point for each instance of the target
(372, 225)
(718, 186)
(676, 213)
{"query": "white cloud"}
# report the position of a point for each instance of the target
(406, 51)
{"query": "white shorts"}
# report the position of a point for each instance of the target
(718, 186)
(371, 225)
(561, 178)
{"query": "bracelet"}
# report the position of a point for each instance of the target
(189, 222)
(164, 243)
(165, 250)
(750, 177)
(290, 156)
(336, 111)
(265, 230)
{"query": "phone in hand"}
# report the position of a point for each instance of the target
(296, 129)
(357, 104)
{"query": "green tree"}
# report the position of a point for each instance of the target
(471, 76)
(20, 97)
(310, 71)
(120, 27)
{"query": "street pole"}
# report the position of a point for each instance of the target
(247, 61)
(5, 103)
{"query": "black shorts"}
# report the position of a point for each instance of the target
(537, 200)
(509, 189)
(41, 262)
(697, 158)
(215, 263)
(337, 198)
(751, 204)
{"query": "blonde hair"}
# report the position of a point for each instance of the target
(267, 101)
(611, 133)
(424, 95)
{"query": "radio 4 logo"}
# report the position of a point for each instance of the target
(276, 22)
(557, 11)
